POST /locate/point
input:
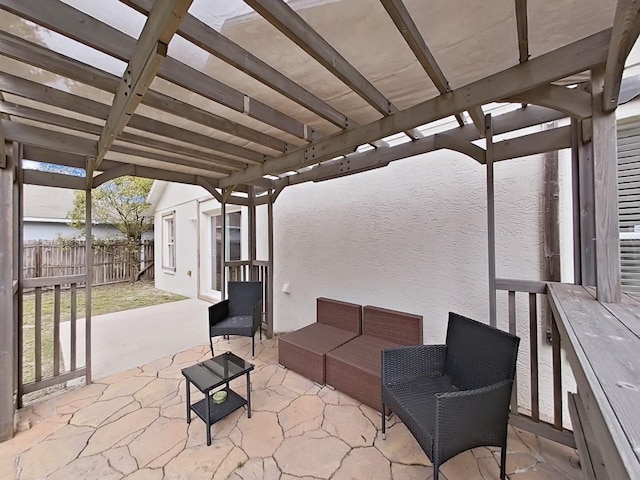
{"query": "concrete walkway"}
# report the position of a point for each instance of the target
(132, 426)
(124, 340)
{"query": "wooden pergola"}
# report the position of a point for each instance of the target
(272, 101)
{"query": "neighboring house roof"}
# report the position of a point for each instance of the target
(47, 204)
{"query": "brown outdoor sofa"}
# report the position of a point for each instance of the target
(304, 350)
(354, 368)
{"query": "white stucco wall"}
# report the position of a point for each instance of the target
(413, 237)
(183, 200)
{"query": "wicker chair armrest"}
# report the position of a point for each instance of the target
(469, 418)
(257, 315)
(406, 363)
(218, 312)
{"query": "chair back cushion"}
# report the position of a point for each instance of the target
(478, 355)
(243, 296)
(343, 315)
(397, 327)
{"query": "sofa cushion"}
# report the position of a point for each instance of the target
(304, 350)
(355, 368)
(398, 327)
(343, 315)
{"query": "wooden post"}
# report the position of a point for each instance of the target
(605, 195)
(252, 234)
(575, 202)
(551, 229)
(270, 269)
(18, 274)
(587, 210)
(491, 222)
(7, 340)
(223, 244)
(89, 269)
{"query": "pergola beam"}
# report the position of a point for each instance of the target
(560, 63)
(458, 139)
(523, 30)
(572, 101)
(70, 22)
(51, 179)
(219, 164)
(41, 57)
(65, 143)
(626, 27)
(285, 19)
(62, 142)
(151, 50)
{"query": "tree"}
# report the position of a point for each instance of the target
(122, 203)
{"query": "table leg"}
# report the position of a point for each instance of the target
(188, 384)
(208, 415)
(249, 394)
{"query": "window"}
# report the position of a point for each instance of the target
(169, 242)
(232, 240)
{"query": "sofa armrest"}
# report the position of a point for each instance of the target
(406, 363)
(469, 418)
(257, 315)
(218, 312)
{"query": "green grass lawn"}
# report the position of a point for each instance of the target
(104, 299)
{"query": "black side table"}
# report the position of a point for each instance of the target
(213, 373)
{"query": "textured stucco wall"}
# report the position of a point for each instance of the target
(183, 200)
(413, 237)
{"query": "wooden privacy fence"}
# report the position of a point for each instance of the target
(111, 261)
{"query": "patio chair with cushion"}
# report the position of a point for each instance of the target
(240, 314)
(456, 396)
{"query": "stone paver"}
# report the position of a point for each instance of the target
(132, 426)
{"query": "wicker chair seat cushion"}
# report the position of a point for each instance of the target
(303, 351)
(234, 325)
(415, 402)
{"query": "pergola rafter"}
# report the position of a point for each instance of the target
(285, 19)
(150, 52)
(46, 59)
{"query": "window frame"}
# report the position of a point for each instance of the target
(169, 242)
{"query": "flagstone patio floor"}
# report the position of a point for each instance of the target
(132, 425)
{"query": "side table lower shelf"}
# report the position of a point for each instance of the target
(217, 411)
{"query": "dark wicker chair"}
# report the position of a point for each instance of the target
(456, 396)
(240, 315)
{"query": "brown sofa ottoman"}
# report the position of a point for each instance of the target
(304, 350)
(355, 367)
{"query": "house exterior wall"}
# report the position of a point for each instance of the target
(50, 230)
(182, 199)
(191, 205)
(413, 237)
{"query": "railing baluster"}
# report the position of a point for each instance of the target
(38, 333)
(56, 331)
(512, 330)
(533, 355)
(73, 325)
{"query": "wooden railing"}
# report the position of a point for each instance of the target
(258, 271)
(49, 371)
(528, 417)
